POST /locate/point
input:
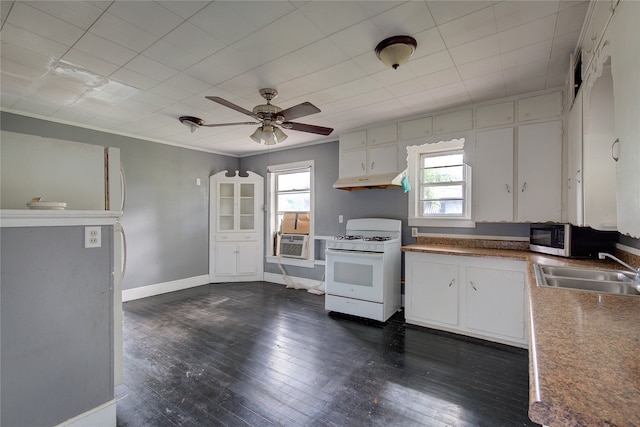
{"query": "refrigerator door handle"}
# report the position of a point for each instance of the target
(123, 190)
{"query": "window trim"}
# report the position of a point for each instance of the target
(272, 215)
(414, 155)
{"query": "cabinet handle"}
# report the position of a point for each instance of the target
(473, 286)
(507, 188)
(615, 156)
(452, 282)
(569, 183)
(362, 164)
(372, 164)
(524, 187)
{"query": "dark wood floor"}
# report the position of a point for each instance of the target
(259, 354)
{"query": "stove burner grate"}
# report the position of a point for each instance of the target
(376, 239)
(348, 237)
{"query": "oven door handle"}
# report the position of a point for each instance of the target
(362, 254)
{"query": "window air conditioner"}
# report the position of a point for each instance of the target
(293, 245)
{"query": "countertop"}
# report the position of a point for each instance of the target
(584, 349)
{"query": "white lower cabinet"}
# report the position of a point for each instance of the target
(479, 297)
(236, 259)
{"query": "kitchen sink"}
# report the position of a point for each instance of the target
(604, 281)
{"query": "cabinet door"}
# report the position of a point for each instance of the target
(353, 163)
(494, 115)
(384, 134)
(625, 68)
(383, 160)
(574, 169)
(226, 220)
(495, 302)
(225, 258)
(540, 107)
(247, 220)
(540, 172)
(247, 258)
(493, 176)
(353, 140)
(413, 129)
(454, 122)
(432, 292)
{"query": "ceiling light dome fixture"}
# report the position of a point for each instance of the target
(268, 135)
(396, 51)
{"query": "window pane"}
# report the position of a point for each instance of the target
(294, 202)
(294, 181)
(443, 207)
(446, 160)
(444, 174)
(442, 192)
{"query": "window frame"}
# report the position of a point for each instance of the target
(272, 214)
(415, 154)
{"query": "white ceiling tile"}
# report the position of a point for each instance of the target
(89, 62)
(527, 34)
(147, 15)
(430, 64)
(125, 34)
(183, 8)
(5, 8)
(12, 68)
(222, 66)
(187, 83)
(74, 113)
(566, 4)
(389, 77)
(170, 55)
(558, 71)
(26, 57)
(489, 65)
(170, 91)
(475, 50)
(536, 53)
(230, 21)
(480, 83)
(406, 87)
(419, 101)
(131, 78)
(102, 4)
(455, 91)
(525, 79)
(567, 19)
(564, 44)
(25, 39)
(468, 28)
(148, 67)
(41, 107)
(14, 85)
(7, 100)
(407, 18)
(36, 21)
(194, 40)
(428, 42)
(445, 11)
(331, 17)
(83, 14)
(441, 78)
(108, 51)
(510, 14)
(487, 95)
(333, 76)
(358, 39)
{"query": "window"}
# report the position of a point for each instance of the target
(290, 192)
(442, 185)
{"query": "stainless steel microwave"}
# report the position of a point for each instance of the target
(570, 241)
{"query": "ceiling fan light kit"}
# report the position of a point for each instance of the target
(396, 51)
(268, 116)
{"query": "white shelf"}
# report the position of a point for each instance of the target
(53, 218)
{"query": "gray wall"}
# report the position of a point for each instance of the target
(56, 302)
(166, 214)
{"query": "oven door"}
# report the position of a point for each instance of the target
(354, 274)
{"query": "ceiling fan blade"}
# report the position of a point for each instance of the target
(230, 105)
(300, 110)
(302, 127)
(213, 125)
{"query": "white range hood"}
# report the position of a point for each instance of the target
(370, 182)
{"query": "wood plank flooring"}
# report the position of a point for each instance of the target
(258, 354)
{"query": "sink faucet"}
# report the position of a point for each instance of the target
(603, 255)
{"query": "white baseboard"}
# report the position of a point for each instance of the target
(279, 279)
(100, 416)
(163, 288)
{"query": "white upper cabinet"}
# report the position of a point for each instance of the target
(625, 69)
(495, 115)
(454, 122)
(539, 186)
(414, 129)
(493, 184)
(574, 209)
(385, 134)
(353, 140)
(540, 107)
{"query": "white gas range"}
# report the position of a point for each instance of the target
(363, 269)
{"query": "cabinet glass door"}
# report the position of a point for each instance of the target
(247, 199)
(226, 206)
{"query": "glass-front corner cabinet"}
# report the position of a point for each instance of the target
(235, 229)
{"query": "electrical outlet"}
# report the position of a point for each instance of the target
(340, 219)
(92, 237)
(414, 232)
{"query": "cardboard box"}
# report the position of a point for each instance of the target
(296, 223)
